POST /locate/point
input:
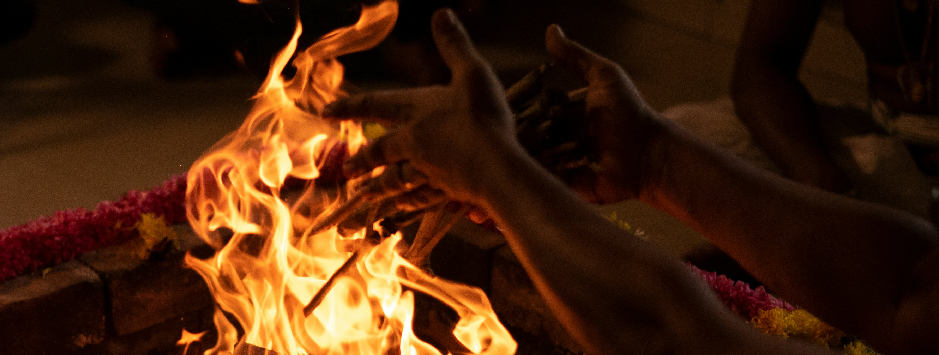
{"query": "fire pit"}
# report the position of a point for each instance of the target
(283, 277)
(109, 301)
(275, 283)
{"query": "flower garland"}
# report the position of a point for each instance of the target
(777, 317)
(746, 302)
(66, 234)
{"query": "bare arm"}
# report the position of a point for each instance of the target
(613, 292)
(769, 98)
(864, 268)
(867, 269)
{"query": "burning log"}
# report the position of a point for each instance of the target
(248, 349)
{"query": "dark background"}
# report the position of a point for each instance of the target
(99, 97)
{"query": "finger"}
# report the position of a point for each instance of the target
(395, 180)
(455, 46)
(382, 151)
(591, 66)
(385, 107)
(420, 198)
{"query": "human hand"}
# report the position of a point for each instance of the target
(444, 141)
(619, 120)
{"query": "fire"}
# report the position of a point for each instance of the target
(269, 264)
(188, 338)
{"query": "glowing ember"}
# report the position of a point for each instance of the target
(273, 264)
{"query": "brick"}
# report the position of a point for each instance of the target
(56, 312)
(465, 254)
(161, 338)
(145, 293)
(519, 305)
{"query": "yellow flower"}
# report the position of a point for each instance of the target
(797, 324)
(155, 235)
(373, 130)
(619, 222)
(622, 224)
(858, 348)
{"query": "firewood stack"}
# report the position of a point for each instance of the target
(549, 122)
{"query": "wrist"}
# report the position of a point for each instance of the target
(505, 168)
(662, 138)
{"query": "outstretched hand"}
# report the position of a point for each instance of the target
(622, 125)
(441, 137)
(448, 141)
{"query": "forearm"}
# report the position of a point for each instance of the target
(612, 291)
(845, 260)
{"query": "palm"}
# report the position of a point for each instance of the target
(615, 116)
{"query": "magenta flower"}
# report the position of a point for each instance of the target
(739, 297)
(49, 240)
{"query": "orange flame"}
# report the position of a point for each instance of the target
(273, 264)
(188, 338)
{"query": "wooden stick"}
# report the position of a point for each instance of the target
(423, 244)
(323, 291)
(527, 87)
(362, 217)
(338, 215)
(442, 228)
(577, 95)
(426, 231)
(434, 226)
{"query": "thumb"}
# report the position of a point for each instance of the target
(455, 46)
(591, 66)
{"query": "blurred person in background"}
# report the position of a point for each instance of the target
(885, 150)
